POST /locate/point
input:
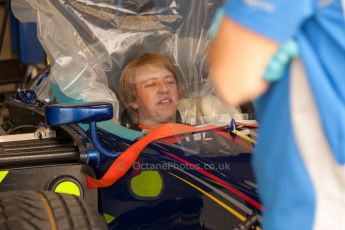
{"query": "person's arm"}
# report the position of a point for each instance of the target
(249, 35)
(238, 58)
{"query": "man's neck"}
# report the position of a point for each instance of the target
(150, 125)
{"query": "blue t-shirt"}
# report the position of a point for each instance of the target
(318, 27)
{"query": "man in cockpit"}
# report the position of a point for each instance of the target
(150, 91)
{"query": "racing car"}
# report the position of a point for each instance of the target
(65, 156)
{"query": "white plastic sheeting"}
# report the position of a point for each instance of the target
(90, 41)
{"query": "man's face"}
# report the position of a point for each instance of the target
(157, 95)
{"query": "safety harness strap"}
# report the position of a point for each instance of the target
(123, 163)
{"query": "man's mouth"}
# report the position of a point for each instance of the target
(165, 101)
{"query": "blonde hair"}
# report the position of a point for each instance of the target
(128, 76)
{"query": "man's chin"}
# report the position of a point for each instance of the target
(167, 118)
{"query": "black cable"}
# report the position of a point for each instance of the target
(4, 23)
(12, 130)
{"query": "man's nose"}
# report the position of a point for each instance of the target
(163, 87)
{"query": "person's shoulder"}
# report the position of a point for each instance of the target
(275, 19)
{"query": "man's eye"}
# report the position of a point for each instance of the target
(170, 81)
(151, 84)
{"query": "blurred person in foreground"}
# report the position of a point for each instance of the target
(300, 155)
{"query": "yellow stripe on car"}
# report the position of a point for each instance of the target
(231, 210)
(3, 174)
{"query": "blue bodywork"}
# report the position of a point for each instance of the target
(181, 205)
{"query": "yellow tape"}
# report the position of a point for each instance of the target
(244, 136)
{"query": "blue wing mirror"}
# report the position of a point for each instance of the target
(91, 113)
(63, 114)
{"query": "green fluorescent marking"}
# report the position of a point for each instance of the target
(68, 187)
(116, 129)
(3, 174)
(147, 184)
(108, 218)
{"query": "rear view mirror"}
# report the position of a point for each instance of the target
(91, 112)
(62, 114)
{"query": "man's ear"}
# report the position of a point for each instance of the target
(134, 105)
